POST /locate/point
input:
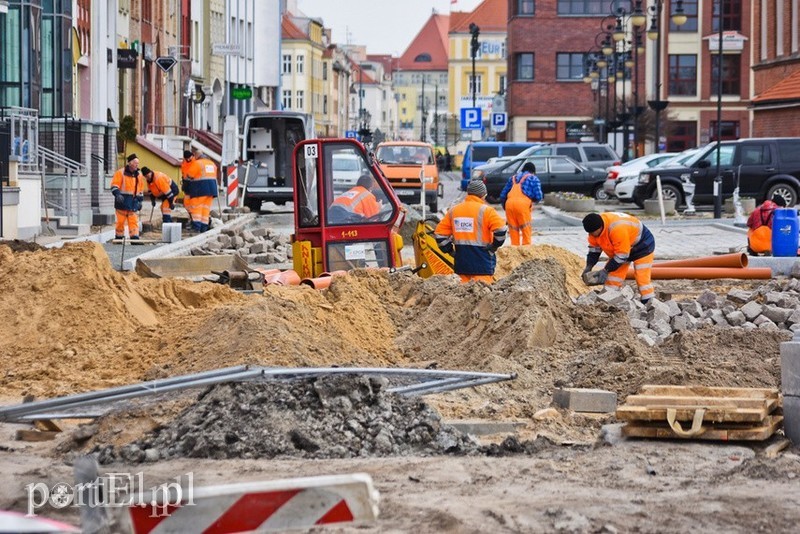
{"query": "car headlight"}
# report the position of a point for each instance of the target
(621, 179)
(477, 175)
(644, 178)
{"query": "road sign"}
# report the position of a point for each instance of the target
(226, 49)
(242, 92)
(351, 134)
(166, 63)
(499, 122)
(470, 118)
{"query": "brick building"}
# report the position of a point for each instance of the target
(776, 68)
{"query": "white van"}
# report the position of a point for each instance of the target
(346, 169)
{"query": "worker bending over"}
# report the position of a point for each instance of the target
(517, 198)
(472, 231)
(200, 187)
(356, 204)
(127, 188)
(624, 239)
(161, 188)
(759, 226)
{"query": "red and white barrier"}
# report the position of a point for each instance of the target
(16, 523)
(233, 186)
(276, 505)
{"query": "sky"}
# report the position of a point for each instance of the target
(384, 26)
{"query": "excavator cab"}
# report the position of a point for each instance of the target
(346, 214)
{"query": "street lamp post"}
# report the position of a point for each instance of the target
(475, 31)
(718, 178)
(436, 115)
(360, 97)
(634, 16)
(422, 111)
(654, 34)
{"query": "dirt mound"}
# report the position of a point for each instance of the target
(17, 245)
(509, 258)
(328, 417)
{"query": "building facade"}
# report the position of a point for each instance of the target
(304, 43)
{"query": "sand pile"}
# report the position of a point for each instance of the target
(509, 258)
(327, 417)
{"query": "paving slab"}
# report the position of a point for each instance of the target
(586, 400)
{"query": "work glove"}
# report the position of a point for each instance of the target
(171, 204)
(595, 278)
(184, 184)
(586, 269)
(153, 201)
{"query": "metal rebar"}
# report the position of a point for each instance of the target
(465, 384)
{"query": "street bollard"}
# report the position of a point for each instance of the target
(790, 386)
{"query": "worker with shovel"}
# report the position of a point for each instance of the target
(128, 190)
(624, 239)
(161, 188)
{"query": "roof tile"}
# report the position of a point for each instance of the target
(431, 40)
(490, 16)
(786, 89)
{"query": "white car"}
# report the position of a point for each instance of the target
(347, 168)
(626, 184)
(618, 173)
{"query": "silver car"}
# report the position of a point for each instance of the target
(617, 173)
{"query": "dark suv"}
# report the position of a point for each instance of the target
(764, 167)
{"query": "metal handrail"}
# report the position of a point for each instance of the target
(61, 161)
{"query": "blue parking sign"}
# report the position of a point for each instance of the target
(351, 134)
(499, 120)
(471, 118)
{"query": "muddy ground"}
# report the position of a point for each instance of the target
(73, 324)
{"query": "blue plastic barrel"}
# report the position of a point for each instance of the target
(785, 232)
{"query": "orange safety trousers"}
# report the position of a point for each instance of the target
(132, 220)
(199, 208)
(760, 239)
(487, 278)
(518, 215)
(642, 271)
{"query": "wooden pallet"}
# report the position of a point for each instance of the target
(699, 412)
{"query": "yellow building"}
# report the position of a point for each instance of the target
(304, 42)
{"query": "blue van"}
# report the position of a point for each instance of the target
(480, 152)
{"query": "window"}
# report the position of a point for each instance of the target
(324, 71)
(759, 154)
(300, 62)
(598, 153)
(524, 66)
(483, 153)
(570, 66)
(729, 132)
(525, 8)
(300, 102)
(502, 85)
(287, 63)
(571, 151)
(789, 151)
(683, 74)
(731, 16)
(681, 135)
(583, 7)
(690, 10)
(475, 84)
(731, 74)
(325, 103)
(562, 165)
(287, 99)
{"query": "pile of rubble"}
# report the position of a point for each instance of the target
(326, 417)
(775, 306)
(260, 245)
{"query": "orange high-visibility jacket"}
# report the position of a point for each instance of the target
(161, 186)
(358, 200)
(472, 227)
(620, 233)
(131, 187)
(201, 178)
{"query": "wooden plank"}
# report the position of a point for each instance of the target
(686, 413)
(46, 425)
(36, 435)
(719, 402)
(707, 391)
(137, 241)
(775, 449)
(713, 433)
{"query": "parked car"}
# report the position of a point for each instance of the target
(479, 153)
(401, 163)
(632, 168)
(347, 168)
(626, 184)
(556, 173)
(592, 155)
(763, 167)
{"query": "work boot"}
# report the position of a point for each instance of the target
(119, 237)
(166, 218)
(135, 237)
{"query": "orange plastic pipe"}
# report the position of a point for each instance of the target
(738, 259)
(287, 278)
(323, 282)
(707, 273)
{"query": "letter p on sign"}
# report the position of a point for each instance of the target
(470, 118)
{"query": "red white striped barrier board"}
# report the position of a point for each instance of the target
(18, 523)
(233, 186)
(272, 506)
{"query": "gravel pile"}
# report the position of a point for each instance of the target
(327, 417)
(774, 306)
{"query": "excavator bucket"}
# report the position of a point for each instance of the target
(427, 251)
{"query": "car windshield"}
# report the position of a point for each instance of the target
(697, 156)
(405, 155)
(680, 159)
(345, 164)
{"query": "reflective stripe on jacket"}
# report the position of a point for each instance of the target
(624, 238)
(129, 186)
(358, 200)
(201, 179)
(472, 226)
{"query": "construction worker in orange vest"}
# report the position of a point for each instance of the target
(200, 187)
(356, 204)
(161, 188)
(624, 239)
(759, 226)
(128, 190)
(517, 198)
(472, 231)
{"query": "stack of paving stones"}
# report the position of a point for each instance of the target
(773, 306)
(256, 245)
(229, 214)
